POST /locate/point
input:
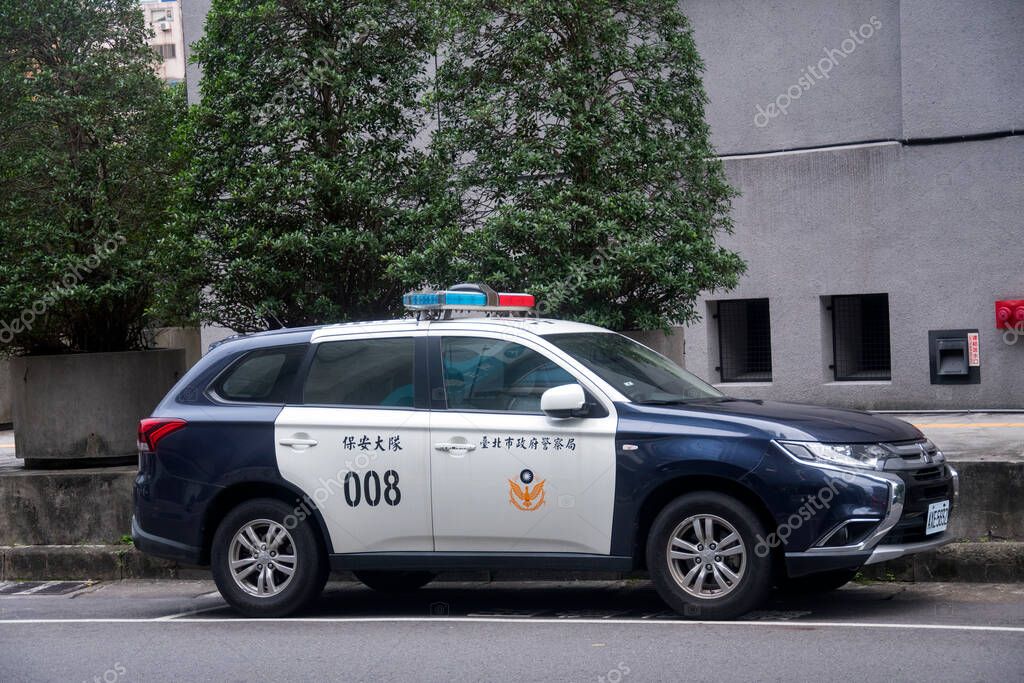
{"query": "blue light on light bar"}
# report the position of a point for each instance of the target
(464, 299)
(424, 299)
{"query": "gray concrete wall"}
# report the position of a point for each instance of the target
(962, 66)
(937, 227)
(88, 405)
(756, 51)
(5, 393)
(57, 508)
(187, 338)
(193, 19)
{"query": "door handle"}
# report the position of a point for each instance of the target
(461, 448)
(298, 444)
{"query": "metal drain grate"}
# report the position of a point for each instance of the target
(41, 587)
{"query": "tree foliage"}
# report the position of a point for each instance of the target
(85, 169)
(302, 175)
(583, 169)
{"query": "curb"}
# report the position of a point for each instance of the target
(976, 562)
(972, 562)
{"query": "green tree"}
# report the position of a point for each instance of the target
(85, 172)
(583, 168)
(303, 176)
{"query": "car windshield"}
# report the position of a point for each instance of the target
(640, 374)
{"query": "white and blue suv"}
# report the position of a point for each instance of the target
(496, 440)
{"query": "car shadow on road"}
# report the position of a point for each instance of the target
(883, 602)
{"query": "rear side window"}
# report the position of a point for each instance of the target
(362, 372)
(262, 376)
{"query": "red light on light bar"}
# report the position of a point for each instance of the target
(526, 300)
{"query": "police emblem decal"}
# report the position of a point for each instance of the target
(524, 497)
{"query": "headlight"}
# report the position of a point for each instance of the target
(865, 456)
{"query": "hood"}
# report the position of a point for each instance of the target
(797, 421)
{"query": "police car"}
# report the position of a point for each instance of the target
(474, 436)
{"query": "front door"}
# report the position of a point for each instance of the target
(357, 445)
(504, 476)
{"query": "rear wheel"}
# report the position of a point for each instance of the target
(395, 581)
(701, 557)
(263, 565)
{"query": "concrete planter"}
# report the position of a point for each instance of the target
(78, 408)
(5, 394)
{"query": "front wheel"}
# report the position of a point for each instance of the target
(702, 559)
(264, 564)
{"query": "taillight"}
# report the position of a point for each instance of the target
(152, 429)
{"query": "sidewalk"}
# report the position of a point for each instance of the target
(973, 437)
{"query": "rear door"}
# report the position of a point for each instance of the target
(357, 442)
(505, 477)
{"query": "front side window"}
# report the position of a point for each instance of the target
(362, 372)
(496, 375)
(641, 375)
(262, 376)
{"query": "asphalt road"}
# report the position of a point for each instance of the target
(610, 631)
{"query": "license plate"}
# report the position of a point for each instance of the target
(938, 518)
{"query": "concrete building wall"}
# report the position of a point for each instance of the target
(797, 62)
(163, 17)
(937, 227)
(962, 67)
(193, 18)
(871, 208)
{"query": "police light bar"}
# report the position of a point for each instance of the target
(470, 298)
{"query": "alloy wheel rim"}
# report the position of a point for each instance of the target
(706, 556)
(262, 558)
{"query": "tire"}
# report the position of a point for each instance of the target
(688, 587)
(394, 582)
(264, 588)
(821, 582)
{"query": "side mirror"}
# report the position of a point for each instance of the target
(567, 400)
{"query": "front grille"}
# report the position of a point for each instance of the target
(924, 487)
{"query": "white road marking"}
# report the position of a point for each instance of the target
(189, 613)
(516, 620)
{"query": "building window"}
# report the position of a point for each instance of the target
(860, 337)
(744, 341)
(166, 50)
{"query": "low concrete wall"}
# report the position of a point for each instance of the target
(991, 501)
(94, 505)
(5, 393)
(65, 507)
(87, 405)
(187, 338)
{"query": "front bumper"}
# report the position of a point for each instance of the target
(901, 532)
(886, 552)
